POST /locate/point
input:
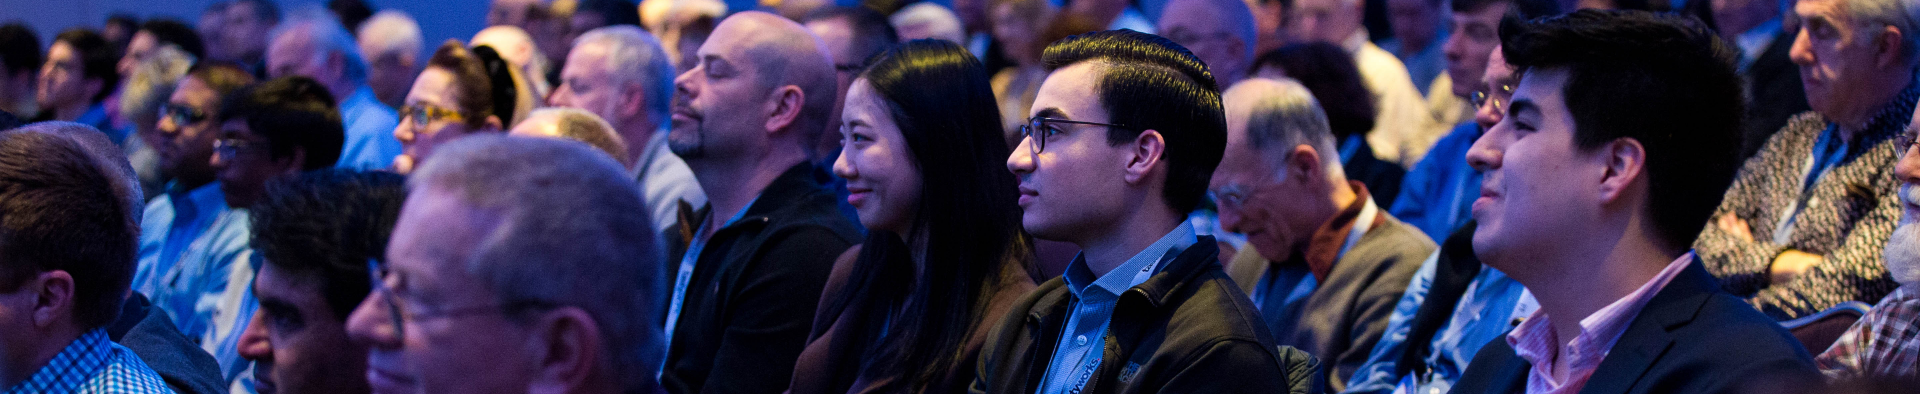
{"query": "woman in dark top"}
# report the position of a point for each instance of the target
(1330, 74)
(907, 311)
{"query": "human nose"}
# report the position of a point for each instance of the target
(254, 342)
(370, 323)
(1021, 161)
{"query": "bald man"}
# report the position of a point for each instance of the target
(1220, 32)
(746, 284)
(577, 125)
(517, 48)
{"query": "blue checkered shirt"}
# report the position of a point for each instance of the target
(92, 364)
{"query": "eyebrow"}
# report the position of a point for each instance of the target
(1522, 105)
(1052, 113)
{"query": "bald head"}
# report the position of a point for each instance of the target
(578, 125)
(781, 53)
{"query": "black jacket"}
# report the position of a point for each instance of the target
(754, 289)
(150, 334)
(1187, 329)
(1774, 93)
(1691, 337)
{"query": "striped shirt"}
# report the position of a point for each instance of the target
(1536, 342)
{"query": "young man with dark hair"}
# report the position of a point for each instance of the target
(78, 74)
(316, 234)
(65, 270)
(280, 127)
(20, 59)
(1124, 136)
(1594, 211)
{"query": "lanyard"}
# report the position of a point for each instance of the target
(681, 280)
(1090, 362)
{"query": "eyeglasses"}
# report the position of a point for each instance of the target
(398, 314)
(1904, 142)
(231, 147)
(423, 114)
(1043, 127)
(1233, 195)
(1482, 98)
(182, 115)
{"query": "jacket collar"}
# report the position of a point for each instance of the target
(1650, 333)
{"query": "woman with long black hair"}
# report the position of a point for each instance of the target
(945, 256)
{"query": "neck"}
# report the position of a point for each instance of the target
(638, 132)
(1129, 236)
(24, 364)
(731, 184)
(1595, 270)
(1879, 94)
(342, 90)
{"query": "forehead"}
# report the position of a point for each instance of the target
(1833, 10)
(586, 58)
(275, 283)
(435, 233)
(61, 52)
(434, 87)
(1498, 71)
(236, 128)
(1192, 15)
(729, 38)
(1071, 91)
(1543, 87)
(192, 90)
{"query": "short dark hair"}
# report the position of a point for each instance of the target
(1152, 83)
(59, 211)
(290, 112)
(168, 31)
(20, 49)
(97, 58)
(614, 12)
(472, 85)
(1665, 81)
(1329, 73)
(1526, 9)
(324, 225)
(872, 33)
(351, 13)
(223, 77)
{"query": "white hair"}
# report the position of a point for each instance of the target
(1903, 15)
(936, 21)
(151, 82)
(634, 56)
(1282, 114)
(328, 38)
(391, 33)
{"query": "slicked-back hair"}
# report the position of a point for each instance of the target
(1151, 83)
(324, 225)
(572, 230)
(290, 112)
(168, 31)
(1665, 81)
(98, 59)
(59, 211)
(20, 50)
(472, 86)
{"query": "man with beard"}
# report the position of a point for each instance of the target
(1885, 342)
(752, 262)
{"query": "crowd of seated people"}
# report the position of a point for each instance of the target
(974, 196)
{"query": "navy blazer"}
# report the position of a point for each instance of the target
(1692, 337)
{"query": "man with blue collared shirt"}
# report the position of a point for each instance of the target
(1331, 261)
(65, 271)
(318, 48)
(1125, 132)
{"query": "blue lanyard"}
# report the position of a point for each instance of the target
(681, 280)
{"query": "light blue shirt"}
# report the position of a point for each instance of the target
(1437, 195)
(1487, 310)
(369, 125)
(1078, 354)
(196, 264)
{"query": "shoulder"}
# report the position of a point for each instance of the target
(126, 373)
(1394, 242)
(1212, 309)
(1728, 329)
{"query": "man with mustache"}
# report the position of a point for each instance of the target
(749, 266)
(1884, 343)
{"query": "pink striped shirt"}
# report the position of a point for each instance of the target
(1534, 340)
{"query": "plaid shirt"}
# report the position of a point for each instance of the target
(1885, 342)
(92, 364)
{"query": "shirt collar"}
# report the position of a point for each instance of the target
(1534, 340)
(200, 200)
(1325, 246)
(1080, 278)
(72, 367)
(1888, 122)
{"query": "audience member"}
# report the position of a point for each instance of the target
(931, 187)
(577, 125)
(317, 47)
(1330, 262)
(1149, 111)
(535, 240)
(1017, 26)
(351, 13)
(595, 14)
(1802, 228)
(519, 50)
(20, 60)
(1882, 343)
(314, 235)
(928, 20)
(852, 36)
(157, 33)
(67, 269)
(1598, 208)
(755, 258)
(119, 30)
(212, 29)
(142, 94)
(76, 79)
(453, 98)
(1420, 33)
(1220, 32)
(1339, 92)
(245, 31)
(512, 12)
(622, 74)
(391, 42)
(1774, 93)
(1403, 128)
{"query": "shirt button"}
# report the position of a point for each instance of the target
(1080, 340)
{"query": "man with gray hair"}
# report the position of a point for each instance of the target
(391, 43)
(536, 247)
(316, 46)
(1803, 225)
(621, 74)
(1334, 262)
